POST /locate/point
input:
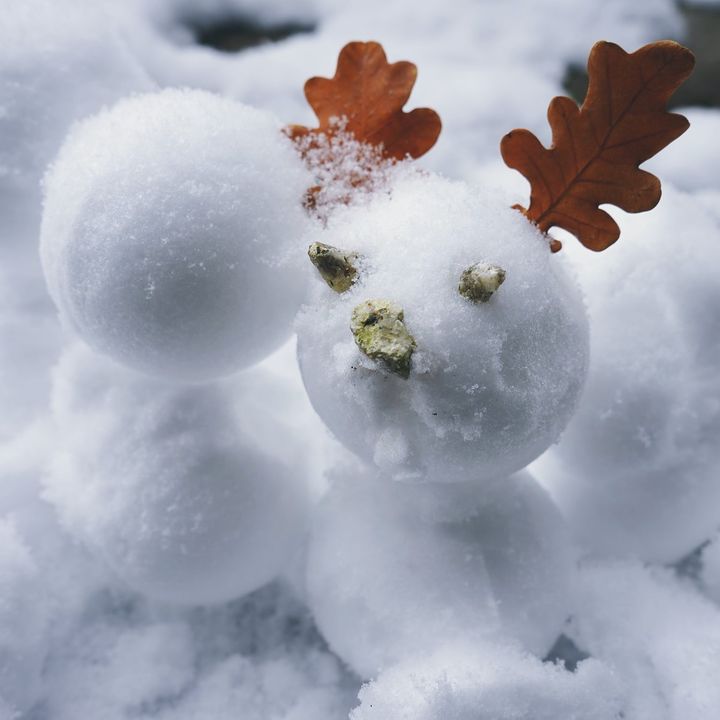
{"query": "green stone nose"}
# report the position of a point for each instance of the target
(379, 330)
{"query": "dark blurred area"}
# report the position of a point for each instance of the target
(242, 33)
(702, 36)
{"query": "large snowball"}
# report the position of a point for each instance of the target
(636, 472)
(170, 233)
(392, 571)
(490, 682)
(192, 494)
(491, 384)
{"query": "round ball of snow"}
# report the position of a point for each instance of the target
(426, 381)
(192, 494)
(391, 573)
(635, 473)
(490, 682)
(170, 233)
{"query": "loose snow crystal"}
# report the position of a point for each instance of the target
(396, 569)
(170, 233)
(491, 384)
(636, 471)
(490, 682)
(191, 494)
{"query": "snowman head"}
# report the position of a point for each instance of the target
(459, 346)
(443, 340)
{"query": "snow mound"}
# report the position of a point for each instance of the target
(635, 473)
(658, 633)
(192, 494)
(492, 384)
(490, 682)
(170, 231)
(389, 578)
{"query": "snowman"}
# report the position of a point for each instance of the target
(446, 345)
(442, 342)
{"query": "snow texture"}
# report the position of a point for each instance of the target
(658, 633)
(393, 572)
(191, 494)
(491, 385)
(490, 682)
(111, 490)
(636, 470)
(169, 230)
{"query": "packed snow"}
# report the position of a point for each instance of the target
(489, 681)
(386, 559)
(192, 494)
(193, 528)
(170, 231)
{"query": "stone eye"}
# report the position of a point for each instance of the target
(337, 268)
(480, 281)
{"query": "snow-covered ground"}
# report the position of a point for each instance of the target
(192, 550)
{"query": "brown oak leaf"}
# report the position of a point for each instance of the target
(597, 148)
(369, 94)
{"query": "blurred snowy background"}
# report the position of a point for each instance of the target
(172, 551)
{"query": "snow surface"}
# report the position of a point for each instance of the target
(77, 641)
(490, 682)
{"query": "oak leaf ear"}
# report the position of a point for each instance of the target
(597, 148)
(368, 94)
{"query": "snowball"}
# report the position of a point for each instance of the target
(490, 385)
(192, 494)
(658, 633)
(392, 574)
(170, 229)
(635, 473)
(490, 682)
